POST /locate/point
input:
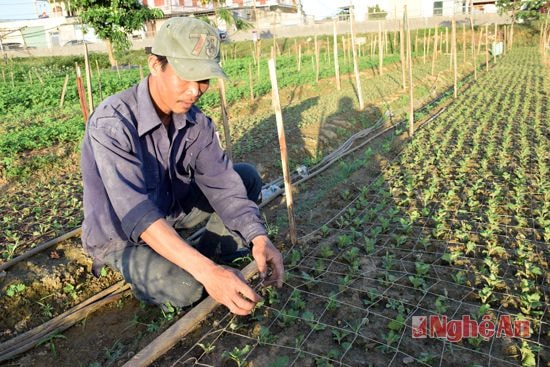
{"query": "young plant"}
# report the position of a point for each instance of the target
(237, 355)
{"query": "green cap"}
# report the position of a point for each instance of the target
(191, 46)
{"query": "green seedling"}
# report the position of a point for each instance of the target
(237, 355)
(295, 257)
(326, 251)
(339, 335)
(207, 348)
(14, 289)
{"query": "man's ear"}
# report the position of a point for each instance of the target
(154, 65)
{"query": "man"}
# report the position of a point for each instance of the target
(151, 162)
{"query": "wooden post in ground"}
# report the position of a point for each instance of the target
(99, 80)
(344, 52)
(226, 131)
(496, 40)
(316, 45)
(12, 79)
(250, 83)
(63, 91)
(424, 47)
(474, 61)
(88, 78)
(402, 54)
(454, 50)
(380, 50)
(446, 40)
(299, 57)
(411, 86)
(282, 146)
(486, 47)
(140, 72)
(464, 43)
(335, 50)
(480, 41)
(38, 76)
(434, 54)
(328, 51)
(355, 63)
(81, 94)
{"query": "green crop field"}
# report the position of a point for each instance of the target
(423, 250)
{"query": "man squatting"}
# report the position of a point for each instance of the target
(152, 163)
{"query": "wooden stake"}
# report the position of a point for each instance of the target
(140, 72)
(81, 94)
(250, 83)
(99, 80)
(282, 146)
(335, 50)
(180, 328)
(299, 58)
(474, 62)
(434, 54)
(63, 91)
(411, 86)
(463, 43)
(402, 54)
(355, 63)
(446, 40)
(496, 40)
(316, 58)
(424, 47)
(486, 47)
(226, 131)
(38, 76)
(88, 78)
(380, 50)
(454, 52)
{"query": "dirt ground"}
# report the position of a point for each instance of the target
(60, 277)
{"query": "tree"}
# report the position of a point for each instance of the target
(224, 14)
(521, 10)
(114, 20)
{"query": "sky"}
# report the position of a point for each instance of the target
(25, 9)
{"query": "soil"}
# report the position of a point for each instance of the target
(60, 277)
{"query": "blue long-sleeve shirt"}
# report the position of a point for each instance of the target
(134, 174)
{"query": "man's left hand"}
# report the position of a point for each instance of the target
(267, 256)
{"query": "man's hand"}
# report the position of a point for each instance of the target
(228, 287)
(267, 256)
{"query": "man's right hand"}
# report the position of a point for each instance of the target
(228, 287)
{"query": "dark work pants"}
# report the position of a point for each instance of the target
(157, 280)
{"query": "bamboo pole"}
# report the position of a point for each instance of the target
(380, 50)
(81, 94)
(402, 54)
(464, 43)
(335, 50)
(474, 62)
(63, 91)
(454, 53)
(355, 63)
(250, 83)
(282, 146)
(424, 47)
(140, 72)
(299, 57)
(344, 50)
(226, 131)
(12, 80)
(328, 52)
(99, 80)
(486, 47)
(446, 40)
(434, 54)
(411, 86)
(88, 71)
(316, 45)
(480, 41)
(180, 328)
(496, 40)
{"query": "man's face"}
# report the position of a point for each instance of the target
(170, 93)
